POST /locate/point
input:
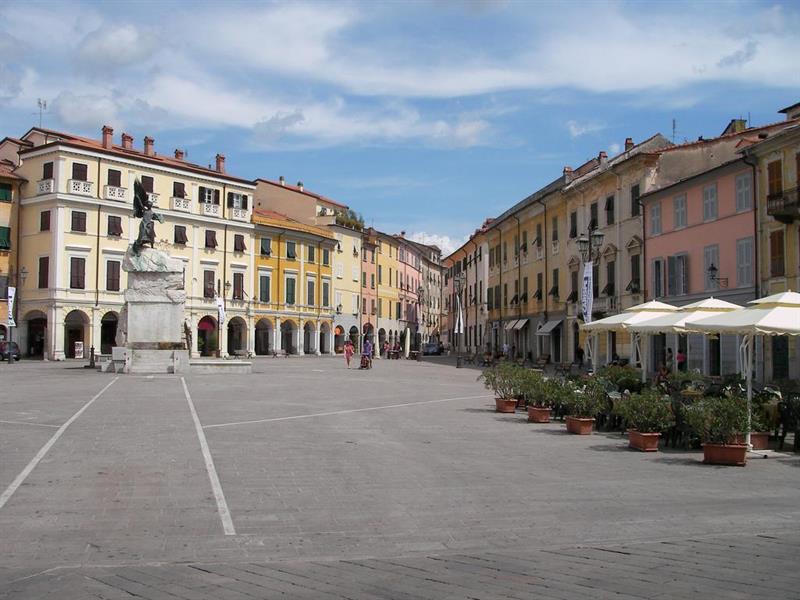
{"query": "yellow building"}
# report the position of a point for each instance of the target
(77, 222)
(388, 277)
(293, 306)
(9, 277)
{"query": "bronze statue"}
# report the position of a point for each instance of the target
(143, 209)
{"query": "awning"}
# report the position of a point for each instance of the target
(548, 327)
(510, 325)
(520, 324)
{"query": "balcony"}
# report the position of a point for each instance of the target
(604, 304)
(111, 192)
(209, 210)
(554, 247)
(239, 214)
(153, 198)
(46, 186)
(83, 188)
(180, 204)
(784, 206)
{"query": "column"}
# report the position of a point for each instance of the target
(195, 351)
(276, 336)
(251, 336)
(223, 337)
(316, 340)
(95, 331)
(299, 338)
(55, 335)
(331, 350)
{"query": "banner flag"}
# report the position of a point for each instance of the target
(12, 292)
(459, 328)
(587, 297)
(221, 310)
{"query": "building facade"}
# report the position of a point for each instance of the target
(10, 185)
(346, 286)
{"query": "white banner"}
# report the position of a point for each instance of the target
(459, 328)
(12, 292)
(587, 294)
(221, 310)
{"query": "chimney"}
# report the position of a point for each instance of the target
(300, 185)
(402, 234)
(281, 180)
(108, 136)
(148, 145)
(179, 154)
(628, 144)
(567, 172)
(127, 141)
(220, 163)
(602, 157)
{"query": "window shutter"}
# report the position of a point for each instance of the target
(244, 201)
(216, 196)
(201, 194)
(178, 189)
(671, 279)
(44, 272)
(47, 170)
(230, 199)
(114, 178)
(147, 183)
(684, 262)
(79, 171)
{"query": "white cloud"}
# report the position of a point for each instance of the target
(447, 244)
(113, 46)
(577, 129)
(614, 149)
(84, 111)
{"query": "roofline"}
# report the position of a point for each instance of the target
(543, 192)
(691, 177)
(304, 191)
(789, 108)
(791, 130)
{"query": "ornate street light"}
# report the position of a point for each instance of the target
(458, 281)
(712, 276)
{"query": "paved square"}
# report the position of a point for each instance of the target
(306, 480)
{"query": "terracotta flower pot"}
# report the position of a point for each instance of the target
(646, 442)
(579, 425)
(505, 405)
(758, 439)
(538, 414)
(725, 454)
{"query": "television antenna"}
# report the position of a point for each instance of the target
(42, 104)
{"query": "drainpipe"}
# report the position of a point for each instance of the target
(222, 286)
(757, 279)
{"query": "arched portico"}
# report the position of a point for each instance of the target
(324, 346)
(263, 337)
(108, 331)
(207, 336)
(339, 338)
(309, 345)
(288, 332)
(237, 337)
(34, 334)
(76, 326)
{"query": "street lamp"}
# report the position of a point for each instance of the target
(589, 248)
(458, 281)
(420, 301)
(712, 276)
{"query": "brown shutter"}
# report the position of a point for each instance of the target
(244, 201)
(774, 178)
(80, 171)
(47, 170)
(180, 234)
(44, 272)
(238, 243)
(112, 276)
(201, 194)
(216, 196)
(238, 286)
(230, 199)
(114, 178)
(44, 221)
(211, 238)
(208, 284)
(178, 189)
(147, 183)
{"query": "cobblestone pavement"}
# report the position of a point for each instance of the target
(399, 482)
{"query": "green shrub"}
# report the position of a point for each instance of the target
(717, 419)
(504, 379)
(646, 412)
(589, 400)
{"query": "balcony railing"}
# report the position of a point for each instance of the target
(784, 206)
(46, 186)
(111, 192)
(180, 204)
(239, 214)
(153, 198)
(76, 186)
(210, 210)
(603, 304)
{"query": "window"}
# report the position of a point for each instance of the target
(593, 222)
(80, 171)
(710, 257)
(363, 306)
(610, 210)
(114, 178)
(264, 285)
(339, 270)
(516, 246)
(658, 277)
(380, 274)
(78, 221)
(5, 192)
(678, 275)
(207, 195)
(635, 200)
(372, 280)
(291, 283)
(363, 279)
(634, 285)
(355, 273)
(573, 224)
(291, 250)
(524, 246)
(573, 286)
(237, 200)
(611, 277)
(524, 297)
(655, 219)
(505, 252)
(114, 226)
(539, 286)
(372, 254)
(774, 179)
(310, 254)
(554, 228)
(326, 293)
(490, 303)
(538, 240)
(47, 170)
(112, 275)
(77, 268)
(178, 189)
(147, 183)
(710, 202)
(398, 310)
(238, 286)
(505, 294)
(554, 290)
(744, 192)
(777, 268)
(44, 220)
(208, 284)
(337, 297)
(179, 235)
(211, 239)
(326, 257)
(44, 272)
(744, 262)
(266, 246)
(679, 210)
(373, 307)
(595, 280)
(238, 243)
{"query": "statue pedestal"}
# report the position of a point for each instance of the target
(152, 318)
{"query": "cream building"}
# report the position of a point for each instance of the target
(77, 222)
(346, 285)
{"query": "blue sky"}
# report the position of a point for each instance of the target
(424, 116)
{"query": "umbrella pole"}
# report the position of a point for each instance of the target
(747, 355)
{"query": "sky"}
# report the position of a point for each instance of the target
(423, 116)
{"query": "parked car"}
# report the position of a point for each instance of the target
(9, 348)
(432, 348)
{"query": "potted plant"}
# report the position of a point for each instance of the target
(539, 393)
(646, 414)
(759, 423)
(503, 380)
(624, 377)
(717, 420)
(583, 404)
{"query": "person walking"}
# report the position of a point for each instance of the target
(367, 352)
(348, 352)
(681, 358)
(668, 362)
(579, 355)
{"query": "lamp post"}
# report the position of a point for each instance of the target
(713, 271)
(458, 281)
(420, 303)
(21, 275)
(589, 248)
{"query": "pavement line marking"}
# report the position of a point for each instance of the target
(29, 423)
(343, 412)
(219, 495)
(6, 496)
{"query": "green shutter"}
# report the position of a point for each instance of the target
(5, 192)
(5, 238)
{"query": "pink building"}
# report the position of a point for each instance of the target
(369, 285)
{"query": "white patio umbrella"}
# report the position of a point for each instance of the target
(407, 348)
(678, 320)
(631, 316)
(778, 314)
